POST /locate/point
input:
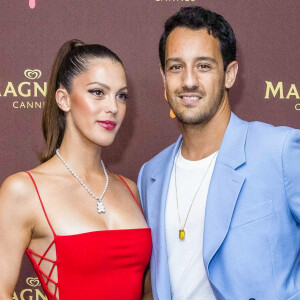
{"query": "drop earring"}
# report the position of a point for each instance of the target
(172, 115)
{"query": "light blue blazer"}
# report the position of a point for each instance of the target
(251, 246)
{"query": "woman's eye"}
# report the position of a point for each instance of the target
(122, 96)
(96, 92)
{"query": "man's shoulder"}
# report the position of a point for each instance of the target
(269, 131)
(263, 129)
(256, 137)
(267, 137)
(160, 158)
(162, 155)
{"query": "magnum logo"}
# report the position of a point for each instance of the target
(30, 88)
(33, 281)
(32, 74)
(31, 293)
(282, 92)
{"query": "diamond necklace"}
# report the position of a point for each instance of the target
(100, 206)
(181, 230)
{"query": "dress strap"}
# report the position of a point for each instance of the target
(137, 202)
(41, 202)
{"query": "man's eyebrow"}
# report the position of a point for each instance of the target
(173, 59)
(206, 58)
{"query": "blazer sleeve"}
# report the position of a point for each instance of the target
(291, 171)
(140, 186)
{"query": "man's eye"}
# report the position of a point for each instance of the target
(204, 67)
(122, 96)
(175, 67)
(96, 92)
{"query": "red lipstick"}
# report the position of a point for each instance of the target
(107, 124)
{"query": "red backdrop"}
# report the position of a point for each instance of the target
(267, 88)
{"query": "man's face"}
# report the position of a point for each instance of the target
(194, 75)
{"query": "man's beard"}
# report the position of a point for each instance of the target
(201, 117)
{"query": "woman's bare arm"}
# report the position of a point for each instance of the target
(147, 288)
(16, 223)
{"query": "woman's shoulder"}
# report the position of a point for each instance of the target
(21, 185)
(17, 198)
(16, 185)
(22, 182)
(131, 185)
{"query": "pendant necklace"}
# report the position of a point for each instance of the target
(100, 205)
(181, 230)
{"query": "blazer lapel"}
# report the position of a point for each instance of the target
(156, 214)
(224, 189)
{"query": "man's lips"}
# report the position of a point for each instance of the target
(107, 124)
(190, 98)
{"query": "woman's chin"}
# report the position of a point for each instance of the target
(105, 142)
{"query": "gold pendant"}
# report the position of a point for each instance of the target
(181, 234)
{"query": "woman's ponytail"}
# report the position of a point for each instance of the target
(53, 122)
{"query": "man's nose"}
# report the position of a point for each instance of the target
(189, 79)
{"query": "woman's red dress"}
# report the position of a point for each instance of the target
(104, 265)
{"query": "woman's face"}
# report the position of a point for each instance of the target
(97, 102)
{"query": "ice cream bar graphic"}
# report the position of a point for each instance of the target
(32, 4)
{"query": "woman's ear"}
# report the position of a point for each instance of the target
(63, 99)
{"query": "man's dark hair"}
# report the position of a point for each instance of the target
(196, 17)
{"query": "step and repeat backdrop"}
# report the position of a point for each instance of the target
(31, 32)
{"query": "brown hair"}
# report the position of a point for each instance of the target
(71, 61)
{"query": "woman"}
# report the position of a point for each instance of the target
(80, 225)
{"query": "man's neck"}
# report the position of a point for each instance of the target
(200, 141)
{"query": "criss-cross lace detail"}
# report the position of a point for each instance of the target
(45, 279)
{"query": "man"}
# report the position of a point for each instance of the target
(223, 202)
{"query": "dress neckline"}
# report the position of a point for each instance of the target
(104, 231)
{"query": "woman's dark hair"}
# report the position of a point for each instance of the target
(196, 17)
(71, 60)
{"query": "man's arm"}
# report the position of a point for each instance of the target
(140, 186)
(291, 171)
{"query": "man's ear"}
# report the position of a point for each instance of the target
(163, 75)
(62, 99)
(230, 74)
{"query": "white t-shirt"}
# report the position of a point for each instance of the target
(187, 272)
